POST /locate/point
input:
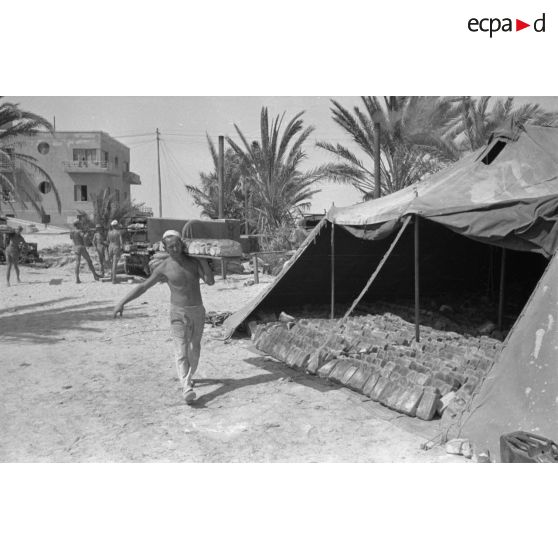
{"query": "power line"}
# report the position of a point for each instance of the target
(168, 167)
(133, 135)
(250, 137)
(140, 143)
(180, 169)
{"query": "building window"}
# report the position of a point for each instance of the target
(43, 148)
(6, 160)
(80, 192)
(85, 155)
(45, 187)
(125, 195)
(116, 162)
(117, 195)
(105, 156)
(7, 196)
(126, 166)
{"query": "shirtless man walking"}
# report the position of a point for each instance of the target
(80, 250)
(187, 314)
(12, 254)
(114, 248)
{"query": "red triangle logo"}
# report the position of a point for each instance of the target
(519, 25)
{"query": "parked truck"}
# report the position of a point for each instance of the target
(145, 234)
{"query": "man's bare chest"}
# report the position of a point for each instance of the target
(181, 274)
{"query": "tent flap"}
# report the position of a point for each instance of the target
(374, 232)
(521, 390)
(529, 225)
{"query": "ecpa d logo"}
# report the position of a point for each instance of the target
(493, 25)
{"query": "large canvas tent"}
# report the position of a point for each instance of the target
(521, 390)
(505, 195)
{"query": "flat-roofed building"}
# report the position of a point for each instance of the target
(81, 165)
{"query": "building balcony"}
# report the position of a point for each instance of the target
(6, 166)
(131, 177)
(104, 167)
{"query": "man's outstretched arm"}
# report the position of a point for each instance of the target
(153, 279)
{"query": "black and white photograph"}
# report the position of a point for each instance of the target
(329, 280)
(278, 279)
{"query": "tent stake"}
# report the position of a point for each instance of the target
(501, 294)
(377, 270)
(332, 313)
(417, 290)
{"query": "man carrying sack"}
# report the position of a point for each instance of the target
(187, 314)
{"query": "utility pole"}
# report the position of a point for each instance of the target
(417, 280)
(377, 176)
(246, 204)
(221, 177)
(159, 175)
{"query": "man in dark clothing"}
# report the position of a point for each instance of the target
(79, 250)
(13, 251)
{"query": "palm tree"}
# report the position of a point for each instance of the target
(414, 141)
(206, 195)
(16, 123)
(107, 208)
(279, 188)
(476, 121)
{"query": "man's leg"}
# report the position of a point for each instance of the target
(8, 268)
(115, 258)
(87, 258)
(109, 262)
(196, 318)
(78, 262)
(16, 267)
(101, 256)
(180, 336)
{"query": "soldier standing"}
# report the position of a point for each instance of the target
(100, 244)
(79, 250)
(13, 251)
(114, 248)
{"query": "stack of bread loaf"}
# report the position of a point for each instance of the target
(212, 247)
(202, 247)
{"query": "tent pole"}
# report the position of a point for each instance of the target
(377, 270)
(417, 289)
(501, 294)
(332, 313)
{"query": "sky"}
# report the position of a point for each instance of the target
(184, 122)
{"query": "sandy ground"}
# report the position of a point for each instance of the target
(79, 386)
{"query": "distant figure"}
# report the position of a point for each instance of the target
(13, 252)
(187, 314)
(299, 234)
(79, 250)
(114, 248)
(100, 244)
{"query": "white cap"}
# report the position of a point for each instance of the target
(113, 223)
(171, 233)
